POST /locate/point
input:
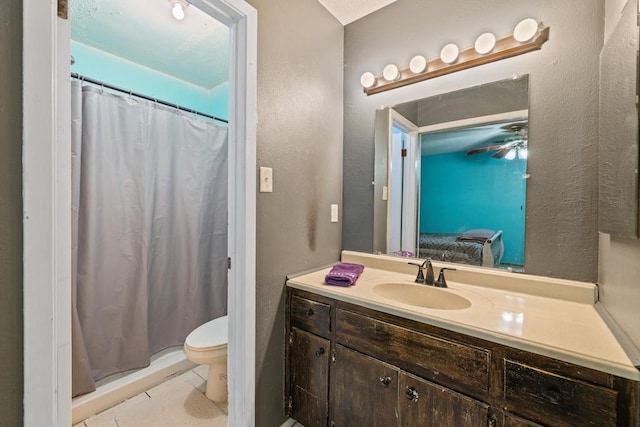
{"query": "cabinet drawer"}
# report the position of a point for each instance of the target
(446, 362)
(553, 399)
(311, 316)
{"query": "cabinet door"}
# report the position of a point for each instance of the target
(422, 403)
(309, 359)
(364, 391)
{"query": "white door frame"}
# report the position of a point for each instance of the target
(409, 220)
(47, 211)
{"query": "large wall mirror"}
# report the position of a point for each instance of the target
(456, 171)
(566, 124)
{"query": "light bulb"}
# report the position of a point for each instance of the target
(511, 154)
(522, 153)
(418, 64)
(525, 30)
(367, 80)
(391, 72)
(485, 43)
(449, 53)
(178, 11)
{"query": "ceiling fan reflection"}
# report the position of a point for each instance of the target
(515, 145)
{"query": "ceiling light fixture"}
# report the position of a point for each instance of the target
(177, 8)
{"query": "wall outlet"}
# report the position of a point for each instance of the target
(334, 213)
(266, 180)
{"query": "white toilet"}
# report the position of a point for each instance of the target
(207, 345)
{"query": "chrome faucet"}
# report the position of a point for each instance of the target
(427, 279)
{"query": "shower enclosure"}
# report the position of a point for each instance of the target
(149, 209)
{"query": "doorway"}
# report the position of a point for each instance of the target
(47, 245)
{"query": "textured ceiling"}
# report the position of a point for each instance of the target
(144, 31)
(347, 11)
(194, 49)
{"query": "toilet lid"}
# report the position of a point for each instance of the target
(209, 335)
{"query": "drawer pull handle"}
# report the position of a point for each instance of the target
(310, 312)
(385, 381)
(319, 352)
(412, 394)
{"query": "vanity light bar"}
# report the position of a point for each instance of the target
(505, 47)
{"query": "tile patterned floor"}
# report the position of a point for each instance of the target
(177, 402)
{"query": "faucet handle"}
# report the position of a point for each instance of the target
(442, 282)
(420, 276)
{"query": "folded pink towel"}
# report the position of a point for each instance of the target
(344, 274)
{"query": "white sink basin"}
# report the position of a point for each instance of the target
(422, 296)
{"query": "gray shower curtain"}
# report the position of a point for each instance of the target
(149, 196)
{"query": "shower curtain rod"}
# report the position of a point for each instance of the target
(139, 95)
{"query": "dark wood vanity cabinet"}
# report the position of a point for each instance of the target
(352, 366)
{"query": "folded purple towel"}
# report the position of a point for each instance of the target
(344, 274)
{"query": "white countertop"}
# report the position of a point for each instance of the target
(566, 326)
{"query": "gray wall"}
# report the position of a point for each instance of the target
(300, 52)
(561, 229)
(618, 149)
(11, 389)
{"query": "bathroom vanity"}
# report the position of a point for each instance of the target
(416, 356)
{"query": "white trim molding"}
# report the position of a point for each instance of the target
(46, 217)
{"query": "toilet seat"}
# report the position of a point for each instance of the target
(209, 336)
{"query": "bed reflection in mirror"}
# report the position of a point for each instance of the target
(456, 188)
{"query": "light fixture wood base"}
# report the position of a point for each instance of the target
(506, 47)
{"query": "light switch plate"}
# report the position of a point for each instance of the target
(334, 213)
(266, 180)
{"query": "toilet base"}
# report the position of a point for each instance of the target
(217, 389)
